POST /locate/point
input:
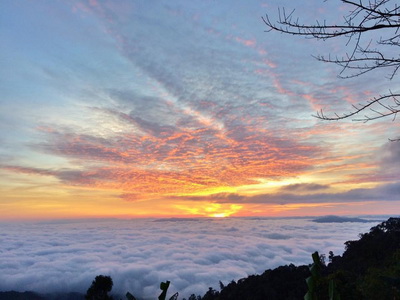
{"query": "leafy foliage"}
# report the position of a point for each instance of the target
(370, 267)
(164, 288)
(99, 289)
(285, 282)
(313, 280)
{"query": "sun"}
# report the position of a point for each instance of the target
(220, 215)
(216, 210)
(209, 209)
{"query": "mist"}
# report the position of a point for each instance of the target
(194, 254)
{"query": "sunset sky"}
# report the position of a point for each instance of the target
(183, 108)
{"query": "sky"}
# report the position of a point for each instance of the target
(183, 109)
(192, 253)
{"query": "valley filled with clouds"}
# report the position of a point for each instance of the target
(194, 253)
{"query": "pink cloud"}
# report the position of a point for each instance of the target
(269, 63)
(160, 159)
(249, 43)
(314, 102)
(262, 51)
(93, 3)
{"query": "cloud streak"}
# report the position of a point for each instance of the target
(185, 150)
(386, 192)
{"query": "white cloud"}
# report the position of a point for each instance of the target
(139, 254)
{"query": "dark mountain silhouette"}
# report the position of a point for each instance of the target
(12, 295)
(337, 219)
(35, 296)
(368, 269)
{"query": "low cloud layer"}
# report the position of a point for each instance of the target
(193, 254)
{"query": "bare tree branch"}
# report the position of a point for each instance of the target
(366, 55)
(390, 110)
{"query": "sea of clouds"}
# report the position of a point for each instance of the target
(194, 254)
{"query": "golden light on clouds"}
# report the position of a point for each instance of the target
(208, 209)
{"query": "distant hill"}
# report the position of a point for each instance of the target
(12, 295)
(337, 219)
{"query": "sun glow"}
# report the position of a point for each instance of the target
(220, 215)
(217, 210)
(213, 210)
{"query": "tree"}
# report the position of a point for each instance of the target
(193, 297)
(211, 294)
(99, 288)
(366, 55)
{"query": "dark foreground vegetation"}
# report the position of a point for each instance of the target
(368, 269)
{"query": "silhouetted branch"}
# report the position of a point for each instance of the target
(364, 16)
(376, 15)
(390, 110)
